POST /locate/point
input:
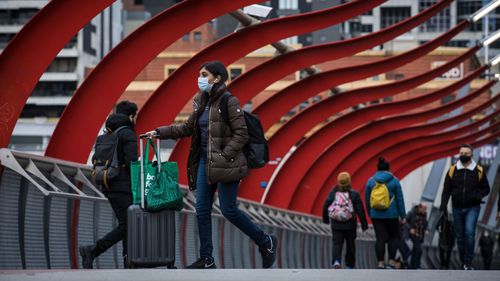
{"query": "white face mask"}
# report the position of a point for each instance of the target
(204, 85)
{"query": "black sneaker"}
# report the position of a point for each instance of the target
(203, 263)
(86, 252)
(468, 267)
(269, 254)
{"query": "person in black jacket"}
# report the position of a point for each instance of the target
(119, 193)
(466, 184)
(342, 218)
(417, 220)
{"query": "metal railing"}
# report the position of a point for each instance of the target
(49, 207)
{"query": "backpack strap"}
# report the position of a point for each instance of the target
(223, 106)
(119, 129)
(480, 171)
(452, 171)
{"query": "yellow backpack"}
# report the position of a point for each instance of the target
(454, 167)
(379, 197)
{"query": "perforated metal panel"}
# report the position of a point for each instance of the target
(34, 229)
(10, 255)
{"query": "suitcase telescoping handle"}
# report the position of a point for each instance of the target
(147, 138)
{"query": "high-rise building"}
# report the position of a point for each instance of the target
(61, 78)
(394, 11)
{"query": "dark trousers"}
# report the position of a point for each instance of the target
(487, 259)
(119, 203)
(349, 236)
(229, 208)
(386, 232)
(405, 252)
(416, 253)
(445, 257)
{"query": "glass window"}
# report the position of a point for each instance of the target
(5, 39)
(438, 23)
(393, 15)
(289, 4)
(467, 8)
(185, 37)
(48, 89)
(62, 65)
(234, 72)
(366, 28)
(197, 36)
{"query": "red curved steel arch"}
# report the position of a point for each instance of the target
(184, 78)
(280, 103)
(440, 152)
(21, 67)
(293, 130)
(349, 143)
(255, 80)
(248, 39)
(401, 141)
(112, 78)
(283, 190)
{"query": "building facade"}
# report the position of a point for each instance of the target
(62, 77)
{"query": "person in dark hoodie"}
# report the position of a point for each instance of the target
(385, 220)
(216, 162)
(119, 193)
(340, 209)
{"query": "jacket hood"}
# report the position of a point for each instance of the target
(383, 176)
(117, 120)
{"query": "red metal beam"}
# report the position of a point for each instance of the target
(409, 162)
(292, 131)
(21, 66)
(280, 103)
(400, 142)
(304, 176)
(153, 113)
(350, 142)
(106, 83)
(249, 84)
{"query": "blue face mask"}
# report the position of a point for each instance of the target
(204, 85)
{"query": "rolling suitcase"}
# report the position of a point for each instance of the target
(150, 235)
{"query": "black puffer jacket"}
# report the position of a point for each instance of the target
(465, 189)
(127, 151)
(225, 158)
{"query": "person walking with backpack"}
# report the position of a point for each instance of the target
(340, 209)
(385, 205)
(216, 162)
(466, 185)
(118, 190)
(417, 220)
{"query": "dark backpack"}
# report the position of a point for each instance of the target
(106, 165)
(257, 149)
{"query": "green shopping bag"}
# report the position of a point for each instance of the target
(161, 185)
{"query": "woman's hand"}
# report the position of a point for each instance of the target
(150, 134)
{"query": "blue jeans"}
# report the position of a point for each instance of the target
(227, 198)
(464, 224)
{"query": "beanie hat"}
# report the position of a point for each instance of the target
(344, 179)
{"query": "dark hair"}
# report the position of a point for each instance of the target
(217, 68)
(382, 165)
(467, 146)
(126, 107)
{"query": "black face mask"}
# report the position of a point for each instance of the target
(464, 159)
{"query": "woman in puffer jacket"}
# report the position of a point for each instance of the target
(216, 162)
